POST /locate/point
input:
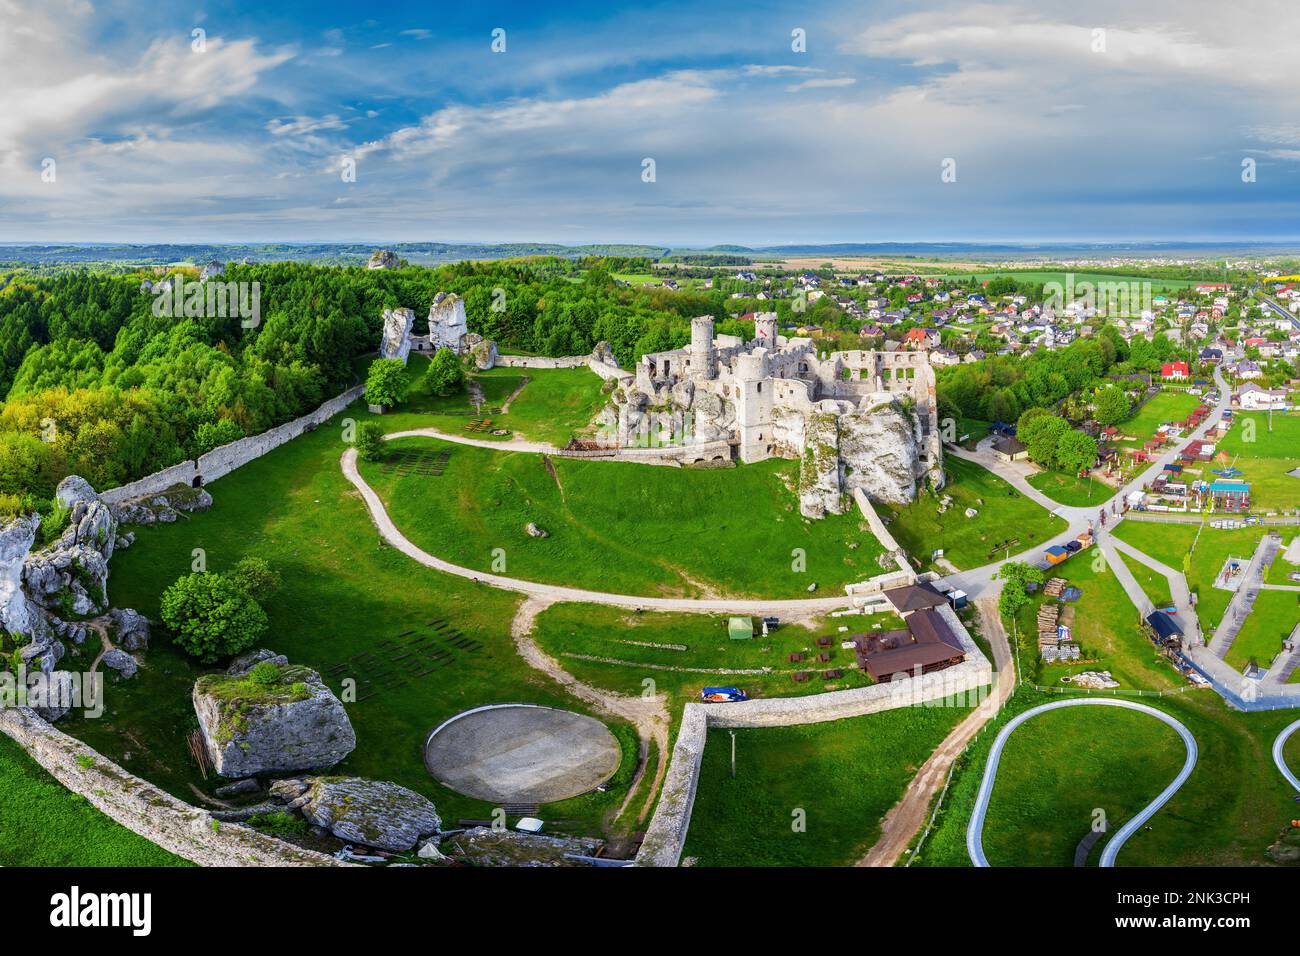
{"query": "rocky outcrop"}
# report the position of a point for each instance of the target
(131, 629)
(160, 508)
(447, 323)
(396, 339)
(878, 447)
(372, 812)
(819, 468)
(71, 575)
(16, 537)
(384, 259)
(277, 718)
(483, 352)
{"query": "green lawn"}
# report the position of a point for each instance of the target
(343, 592)
(839, 778)
(1164, 408)
(1266, 457)
(1058, 768)
(44, 824)
(1004, 515)
(1271, 621)
(1030, 275)
(681, 653)
(1071, 490)
(553, 406)
(625, 527)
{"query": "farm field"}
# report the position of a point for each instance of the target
(1271, 621)
(843, 775)
(44, 824)
(1266, 457)
(1004, 515)
(1058, 768)
(342, 593)
(1070, 490)
(1042, 278)
(1168, 406)
(619, 650)
(1211, 821)
(625, 527)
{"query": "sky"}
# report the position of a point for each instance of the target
(676, 123)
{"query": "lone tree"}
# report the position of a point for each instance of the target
(1017, 576)
(370, 441)
(1111, 406)
(212, 616)
(446, 374)
(386, 382)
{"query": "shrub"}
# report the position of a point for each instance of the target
(386, 382)
(256, 577)
(370, 441)
(264, 673)
(445, 374)
(212, 616)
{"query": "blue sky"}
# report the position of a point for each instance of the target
(1064, 121)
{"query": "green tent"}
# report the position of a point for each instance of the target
(740, 628)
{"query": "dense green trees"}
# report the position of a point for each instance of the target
(1111, 406)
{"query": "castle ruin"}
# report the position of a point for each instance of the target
(854, 419)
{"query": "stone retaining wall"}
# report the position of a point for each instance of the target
(222, 461)
(666, 834)
(139, 806)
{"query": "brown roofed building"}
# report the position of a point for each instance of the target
(927, 644)
(914, 597)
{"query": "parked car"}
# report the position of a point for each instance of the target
(722, 695)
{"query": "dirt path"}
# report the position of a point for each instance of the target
(505, 406)
(648, 716)
(909, 815)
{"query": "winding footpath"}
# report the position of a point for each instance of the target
(975, 829)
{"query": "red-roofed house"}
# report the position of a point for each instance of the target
(1175, 370)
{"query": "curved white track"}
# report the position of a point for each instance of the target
(975, 829)
(1278, 744)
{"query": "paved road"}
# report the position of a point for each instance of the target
(1278, 744)
(975, 829)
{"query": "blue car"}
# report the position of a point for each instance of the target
(722, 695)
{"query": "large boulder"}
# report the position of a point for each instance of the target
(120, 661)
(879, 449)
(447, 323)
(384, 259)
(265, 715)
(165, 507)
(131, 628)
(373, 812)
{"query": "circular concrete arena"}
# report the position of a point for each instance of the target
(521, 753)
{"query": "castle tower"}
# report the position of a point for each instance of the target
(754, 400)
(704, 359)
(765, 329)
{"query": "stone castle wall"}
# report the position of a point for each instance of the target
(225, 459)
(141, 807)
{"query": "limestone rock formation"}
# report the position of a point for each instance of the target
(16, 537)
(376, 813)
(165, 507)
(277, 719)
(72, 574)
(447, 323)
(396, 340)
(383, 259)
(482, 351)
(131, 629)
(878, 447)
(483, 846)
(120, 661)
(51, 694)
(819, 468)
